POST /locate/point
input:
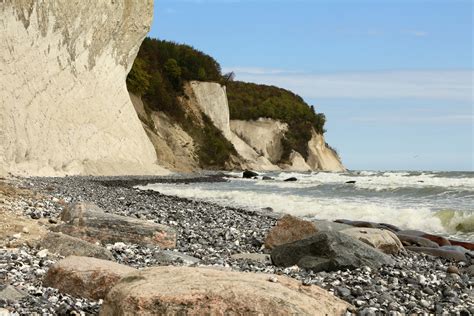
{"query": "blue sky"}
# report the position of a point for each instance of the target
(394, 78)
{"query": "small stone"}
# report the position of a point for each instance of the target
(43, 253)
(273, 279)
(453, 269)
(425, 303)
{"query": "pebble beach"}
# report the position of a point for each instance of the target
(213, 235)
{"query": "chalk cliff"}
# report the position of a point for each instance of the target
(259, 142)
(64, 106)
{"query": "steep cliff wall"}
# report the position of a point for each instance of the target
(212, 100)
(259, 142)
(321, 157)
(64, 107)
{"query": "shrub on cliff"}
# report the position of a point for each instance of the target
(249, 101)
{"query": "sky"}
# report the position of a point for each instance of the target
(393, 77)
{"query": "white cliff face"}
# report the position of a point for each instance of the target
(64, 107)
(212, 99)
(259, 142)
(263, 135)
(321, 157)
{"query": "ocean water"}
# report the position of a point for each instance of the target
(436, 202)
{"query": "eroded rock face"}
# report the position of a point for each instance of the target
(203, 291)
(64, 106)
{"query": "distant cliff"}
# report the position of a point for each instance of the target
(258, 143)
(64, 106)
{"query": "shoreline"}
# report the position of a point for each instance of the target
(213, 233)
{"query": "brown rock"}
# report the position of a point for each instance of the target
(85, 277)
(438, 252)
(408, 240)
(65, 245)
(381, 239)
(92, 224)
(453, 269)
(201, 291)
(441, 241)
(464, 244)
(289, 229)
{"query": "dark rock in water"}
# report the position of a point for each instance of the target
(365, 224)
(438, 252)
(292, 179)
(441, 241)
(351, 182)
(464, 244)
(267, 178)
(289, 229)
(249, 174)
(92, 224)
(329, 251)
(390, 227)
(322, 225)
(408, 240)
(65, 245)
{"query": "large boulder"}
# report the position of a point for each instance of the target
(381, 239)
(91, 223)
(329, 251)
(85, 277)
(65, 245)
(289, 229)
(204, 291)
(64, 105)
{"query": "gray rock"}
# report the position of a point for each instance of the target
(167, 257)
(257, 257)
(329, 251)
(438, 252)
(65, 245)
(89, 222)
(10, 293)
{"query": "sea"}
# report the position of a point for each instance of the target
(435, 202)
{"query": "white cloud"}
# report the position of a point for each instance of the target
(429, 84)
(417, 33)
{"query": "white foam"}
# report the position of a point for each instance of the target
(321, 208)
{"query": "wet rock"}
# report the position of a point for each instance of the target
(329, 251)
(196, 291)
(322, 225)
(441, 241)
(289, 229)
(292, 179)
(92, 224)
(438, 252)
(249, 174)
(266, 178)
(466, 245)
(409, 240)
(85, 277)
(381, 239)
(351, 182)
(65, 246)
